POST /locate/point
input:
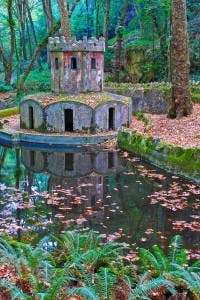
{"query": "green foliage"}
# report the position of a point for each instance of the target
(180, 160)
(9, 112)
(157, 262)
(145, 287)
(5, 88)
(38, 80)
(42, 274)
(142, 117)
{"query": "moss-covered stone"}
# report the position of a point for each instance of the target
(9, 112)
(175, 159)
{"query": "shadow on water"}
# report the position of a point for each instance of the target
(115, 194)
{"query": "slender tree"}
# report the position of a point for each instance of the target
(21, 12)
(8, 60)
(47, 7)
(32, 29)
(181, 101)
(119, 34)
(64, 17)
(106, 22)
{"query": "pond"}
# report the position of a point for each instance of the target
(111, 192)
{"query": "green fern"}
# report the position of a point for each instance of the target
(191, 279)
(177, 254)
(87, 292)
(104, 283)
(145, 287)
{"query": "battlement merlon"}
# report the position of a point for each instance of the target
(84, 45)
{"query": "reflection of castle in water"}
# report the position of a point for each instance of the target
(82, 173)
(72, 164)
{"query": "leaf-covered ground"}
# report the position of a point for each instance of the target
(183, 132)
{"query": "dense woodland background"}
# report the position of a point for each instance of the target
(145, 25)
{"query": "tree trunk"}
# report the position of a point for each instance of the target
(97, 19)
(181, 101)
(8, 62)
(106, 23)
(33, 31)
(49, 16)
(65, 26)
(119, 35)
(21, 18)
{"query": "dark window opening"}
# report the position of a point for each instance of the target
(73, 63)
(56, 63)
(111, 119)
(93, 200)
(69, 161)
(32, 158)
(31, 119)
(68, 120)
(100, 180)
(93, 63)
(110, 160)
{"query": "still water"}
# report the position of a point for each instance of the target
(113, 193)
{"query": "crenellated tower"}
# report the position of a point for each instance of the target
(77, 66)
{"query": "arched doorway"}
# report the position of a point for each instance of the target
(31, 119)
(111, 118)
(68, 119)
(69, 161)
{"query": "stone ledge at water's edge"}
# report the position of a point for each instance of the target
(51, 141)
(181, 161)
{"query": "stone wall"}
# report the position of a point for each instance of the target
(55, 118)
(122, 115)
(147, 101)
(31, 120)
(72, 69)
(65, 116)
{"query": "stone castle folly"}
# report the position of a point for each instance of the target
(77, 102)
(77, 66)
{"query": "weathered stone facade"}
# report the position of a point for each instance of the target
(150, 101)
(77, 66)
(67, 115)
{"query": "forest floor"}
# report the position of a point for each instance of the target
(184, 132)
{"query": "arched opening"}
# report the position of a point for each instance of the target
(93, 200)
(32, 158)
(68, 119)
(111, 160)
(31, 119)
(111, 118)
(69, 161)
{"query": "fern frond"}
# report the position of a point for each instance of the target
(87, 292)
(161, 258)
(15, 292)
(146, 287)
(149, 261)
(177, 254)
(105, 281)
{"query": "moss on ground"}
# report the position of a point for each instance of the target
(91, 99)
(182, 161)
(9, 112)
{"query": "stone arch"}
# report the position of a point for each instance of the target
(31, 115)
(56, 116)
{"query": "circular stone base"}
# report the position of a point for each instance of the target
(18, 138)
